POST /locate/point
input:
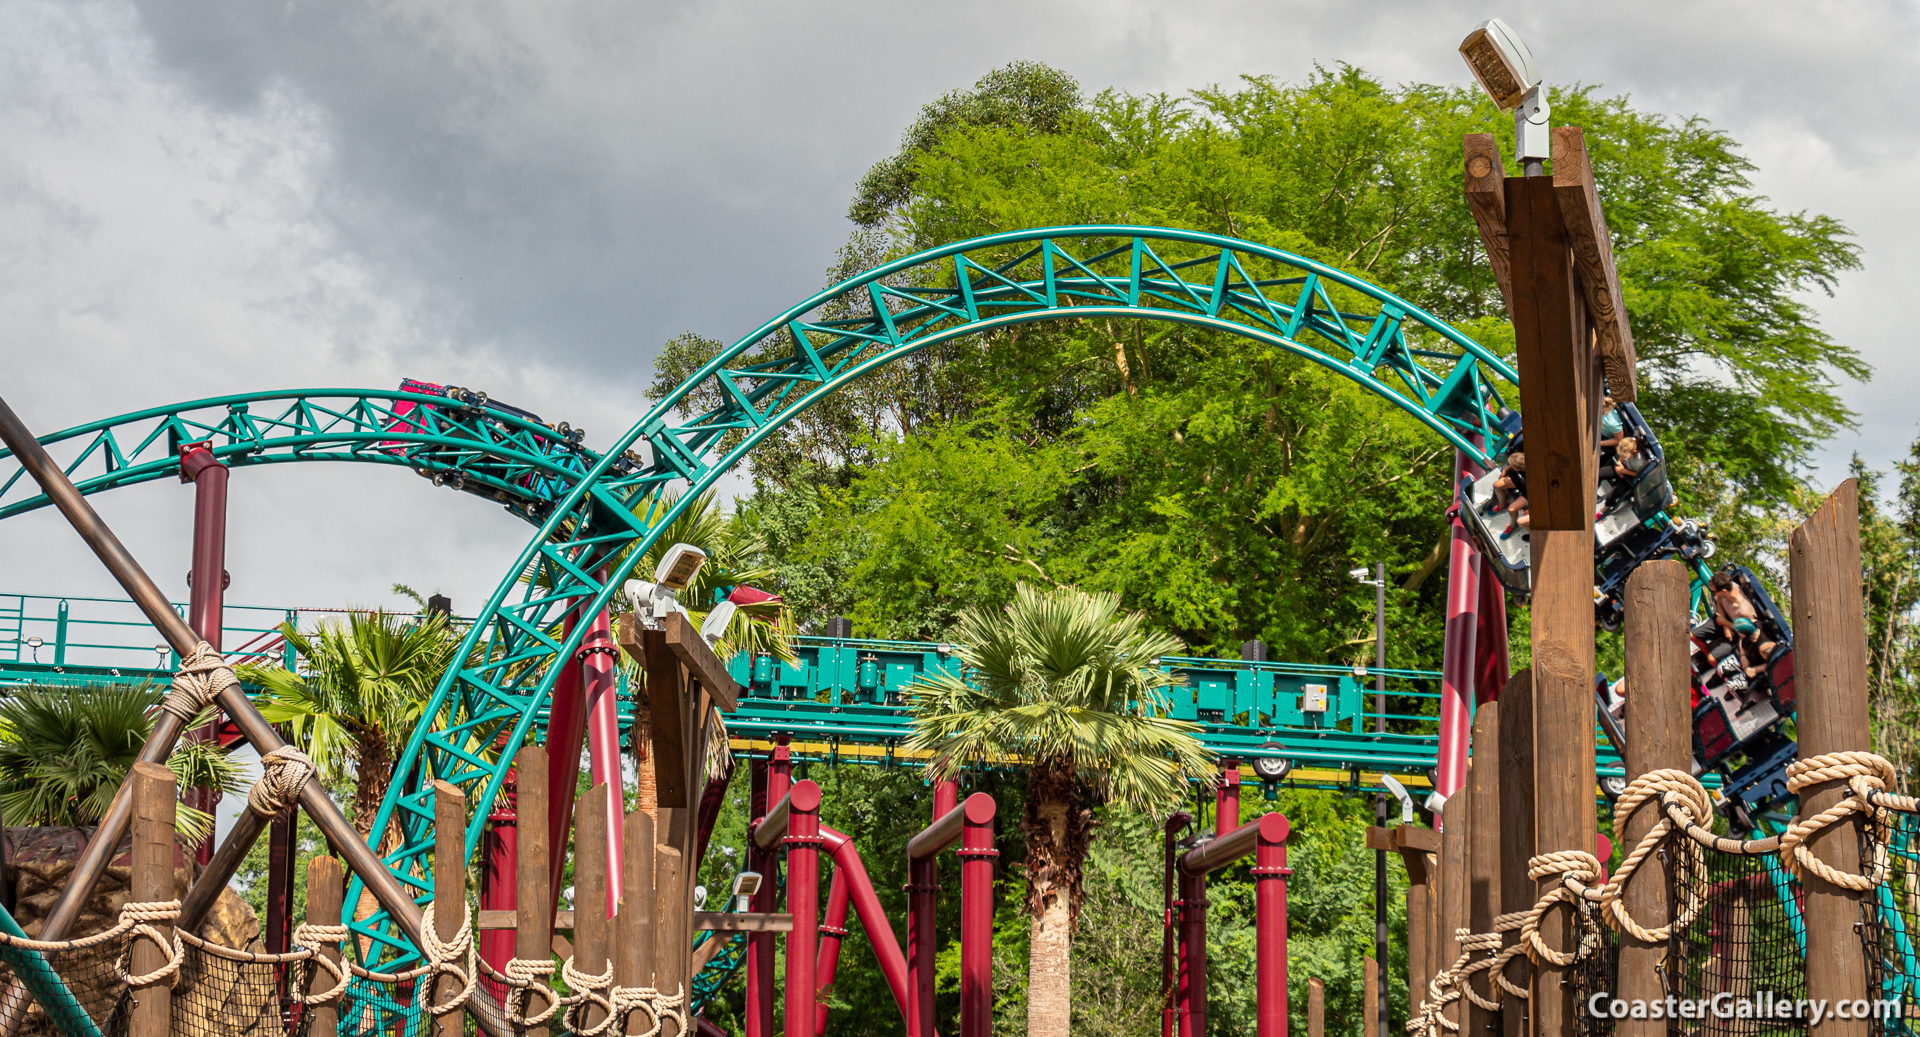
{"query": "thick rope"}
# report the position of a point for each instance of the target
(588, 989)
(284, 772)
(1510, 922)
(309, 937)
(202, 677)
(1577, 870)
(1867, 776)
(1689, 798)
(138, 918)
(525, 975)
(444, 958)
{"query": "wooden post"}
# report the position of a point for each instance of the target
(672, 932)
(533, 922)
(324, 895)
(1830, 679)
(1453, 881)
(633, 942)
(1516, 831)
(591, 926)
(449, 889)
(154, 797)
(1483, 856)
(1316, 1008)
(1371, 1025)
(1419, 971)
(1559, 381)
(1659, 736)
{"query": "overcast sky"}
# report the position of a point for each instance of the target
(201, 197)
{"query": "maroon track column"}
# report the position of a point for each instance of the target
(803, 844)
(1226, 802)
(833, 932)
(500, 855)
(599, 666)
(207, 584)
(1459, 651)
(1270, 873)
(1193, 955)
(976, 917)
(771, 780)
(923, 885)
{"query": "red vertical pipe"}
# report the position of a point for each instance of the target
(499, 890)
(1270, 905)
(777, 773)
(1458, 652)
(976, 916)
(833, 932)
(707, 814)
(206, 592)
(599, 673)
(802, 844)
(1226, 803)
(759, 1009)
(923, 885)
(1193, 955)
(1490, 668)
(566, 730)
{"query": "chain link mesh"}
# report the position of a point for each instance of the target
(1747, 940)
(1891, 927)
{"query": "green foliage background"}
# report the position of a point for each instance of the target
(1225, 489)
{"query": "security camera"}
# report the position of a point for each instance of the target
(1358, 574)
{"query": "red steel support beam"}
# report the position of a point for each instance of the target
(1459, 652)
(566, 731)
(923, 885)
(770, 780)
(206, 593)
(499, 862)
(1226, 801)
(833, 932)
(1266, 839)
(600, 674)
(802, 844)
(873, 918)
(1169, 955)
(977, 855)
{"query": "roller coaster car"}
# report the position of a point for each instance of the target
(1731, 710)
(565, 440)
(1632, 526)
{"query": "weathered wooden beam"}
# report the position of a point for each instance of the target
(743, 922)
(697, 656)
(1587, 233)
(449, 889)
(1659, 736)
(533, 936)
(1830, 679)
(1484, 187)
(1516, 830)
(1558, 369)
(1371, 1025)
(667, 707)
(1483, 855)
(633, 928)
(1316, 1008)
(153, 798)
(594, 932)
(672, 938)
(1453, 883)
(324, 896)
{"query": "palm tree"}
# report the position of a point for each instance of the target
(362, 687)
(1064, 682)
(64, 752)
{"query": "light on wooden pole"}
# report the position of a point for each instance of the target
(1659, 736)
(1830, 679)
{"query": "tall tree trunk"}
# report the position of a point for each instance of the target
(1055, 852)
(646, 784)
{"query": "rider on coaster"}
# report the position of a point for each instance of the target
(1739, 623)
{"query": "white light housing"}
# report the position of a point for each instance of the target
(679, 566)
(1358, 574)
(746, 884)
(1506, 71)
(651, 602)
(715, 626)
(1501, 62)
(1400, 793)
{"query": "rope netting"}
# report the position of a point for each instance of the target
(1892, 929)
(1746, 941)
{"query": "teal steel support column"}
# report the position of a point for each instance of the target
(60, 634)
(66, 1013)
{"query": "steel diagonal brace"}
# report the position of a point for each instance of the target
(167, 729)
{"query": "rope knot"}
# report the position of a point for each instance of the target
(138, 918)
(284, 773)
(202, 677)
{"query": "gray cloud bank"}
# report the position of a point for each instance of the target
(204, 197)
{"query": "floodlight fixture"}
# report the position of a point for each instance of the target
(1506, 70)
(717, 622)
(1400, 793)
(679, 566)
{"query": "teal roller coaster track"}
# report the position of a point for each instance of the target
(587, 505)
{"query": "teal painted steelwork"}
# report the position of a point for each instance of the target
(584, 503)
(516, 462)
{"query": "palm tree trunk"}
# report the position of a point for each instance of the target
(646, 784)
(1056, 848)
